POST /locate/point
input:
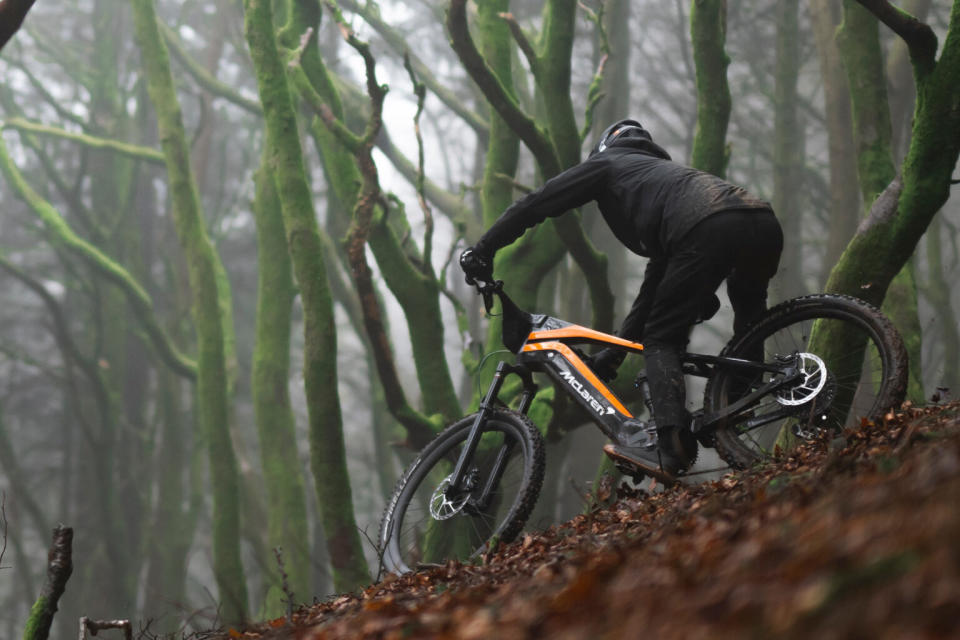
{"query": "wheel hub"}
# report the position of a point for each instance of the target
(442, 506)
(813, 379)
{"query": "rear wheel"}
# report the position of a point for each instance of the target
(853, 364)
(426, 524)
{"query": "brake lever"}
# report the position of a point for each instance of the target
(487, 300)
(487, 289)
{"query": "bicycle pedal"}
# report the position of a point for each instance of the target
(636, 471)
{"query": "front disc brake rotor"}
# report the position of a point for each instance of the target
(441, 506)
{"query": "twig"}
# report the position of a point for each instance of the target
(522, 41)
(376, 547)
(284, 583)
(3, 520)
(420, 90)
(95, 626)
(59, 568)
(595, 93)
(508, 179)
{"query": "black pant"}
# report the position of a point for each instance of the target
(740, 246)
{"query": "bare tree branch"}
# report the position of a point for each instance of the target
(137, 152)
(371, 15)
(522, 41)
(504, 104)
(59, 568)
(420, 90)
(12, 13)
(419, 429)
(920, 39)
(203, 77)
(450, 203)
(63, 235)
(95, 626)
(3, 521)
(71, 354)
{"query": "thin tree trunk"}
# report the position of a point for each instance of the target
(207, 294)
(938, 291)
(898, 218)
(788, 150)
(708, 30)
(408, 275)
(59, 568)
(844, 209)
(860, 46)
(173, 520)
(327, 448)
(286, 503)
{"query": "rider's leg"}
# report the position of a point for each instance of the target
(756, 263)
(747, 284)
(668, 397)
(691, 277)
(748, 242)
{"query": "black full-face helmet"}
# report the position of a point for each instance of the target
(618, 130)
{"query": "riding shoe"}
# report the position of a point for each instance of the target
(654, 462)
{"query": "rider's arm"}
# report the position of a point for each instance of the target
(632, 327)
(572, 188)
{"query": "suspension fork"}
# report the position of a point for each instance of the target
(504, 369)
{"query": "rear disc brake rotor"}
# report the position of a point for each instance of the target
(813, 379)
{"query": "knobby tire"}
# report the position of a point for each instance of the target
(409, 535)
(881, 387)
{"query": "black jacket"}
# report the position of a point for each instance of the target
(648, 201)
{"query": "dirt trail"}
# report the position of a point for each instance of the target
(858, 537)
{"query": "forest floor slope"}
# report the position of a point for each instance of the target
(857, 537)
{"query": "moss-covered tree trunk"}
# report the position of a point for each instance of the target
(112, 183)
(844, 211)
(408, 274)
(708, 31)
(554, 147)
(502, 152)
(859, 43)
(938, 292)
(59, 568)
(212, 370)
(328, 452)
(898, 218)
(788, 150)
(615, 105)
(286, 502)
(176, 508)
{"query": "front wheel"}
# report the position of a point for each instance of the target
(853, 364)
(424, 523)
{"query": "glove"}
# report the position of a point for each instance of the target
(476, 265)
(606, 362)
(710, 307)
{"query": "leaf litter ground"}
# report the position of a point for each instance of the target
(858, 537)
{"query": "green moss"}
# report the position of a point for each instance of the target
(327, 449)
(708, 33)
(286, 501)
(206, 295)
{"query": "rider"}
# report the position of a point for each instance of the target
(697, 231)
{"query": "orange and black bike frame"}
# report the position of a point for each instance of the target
(545, 344)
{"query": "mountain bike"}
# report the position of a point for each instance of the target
(809, 365)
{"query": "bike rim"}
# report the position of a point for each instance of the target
(857, 369)
(420, 538)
